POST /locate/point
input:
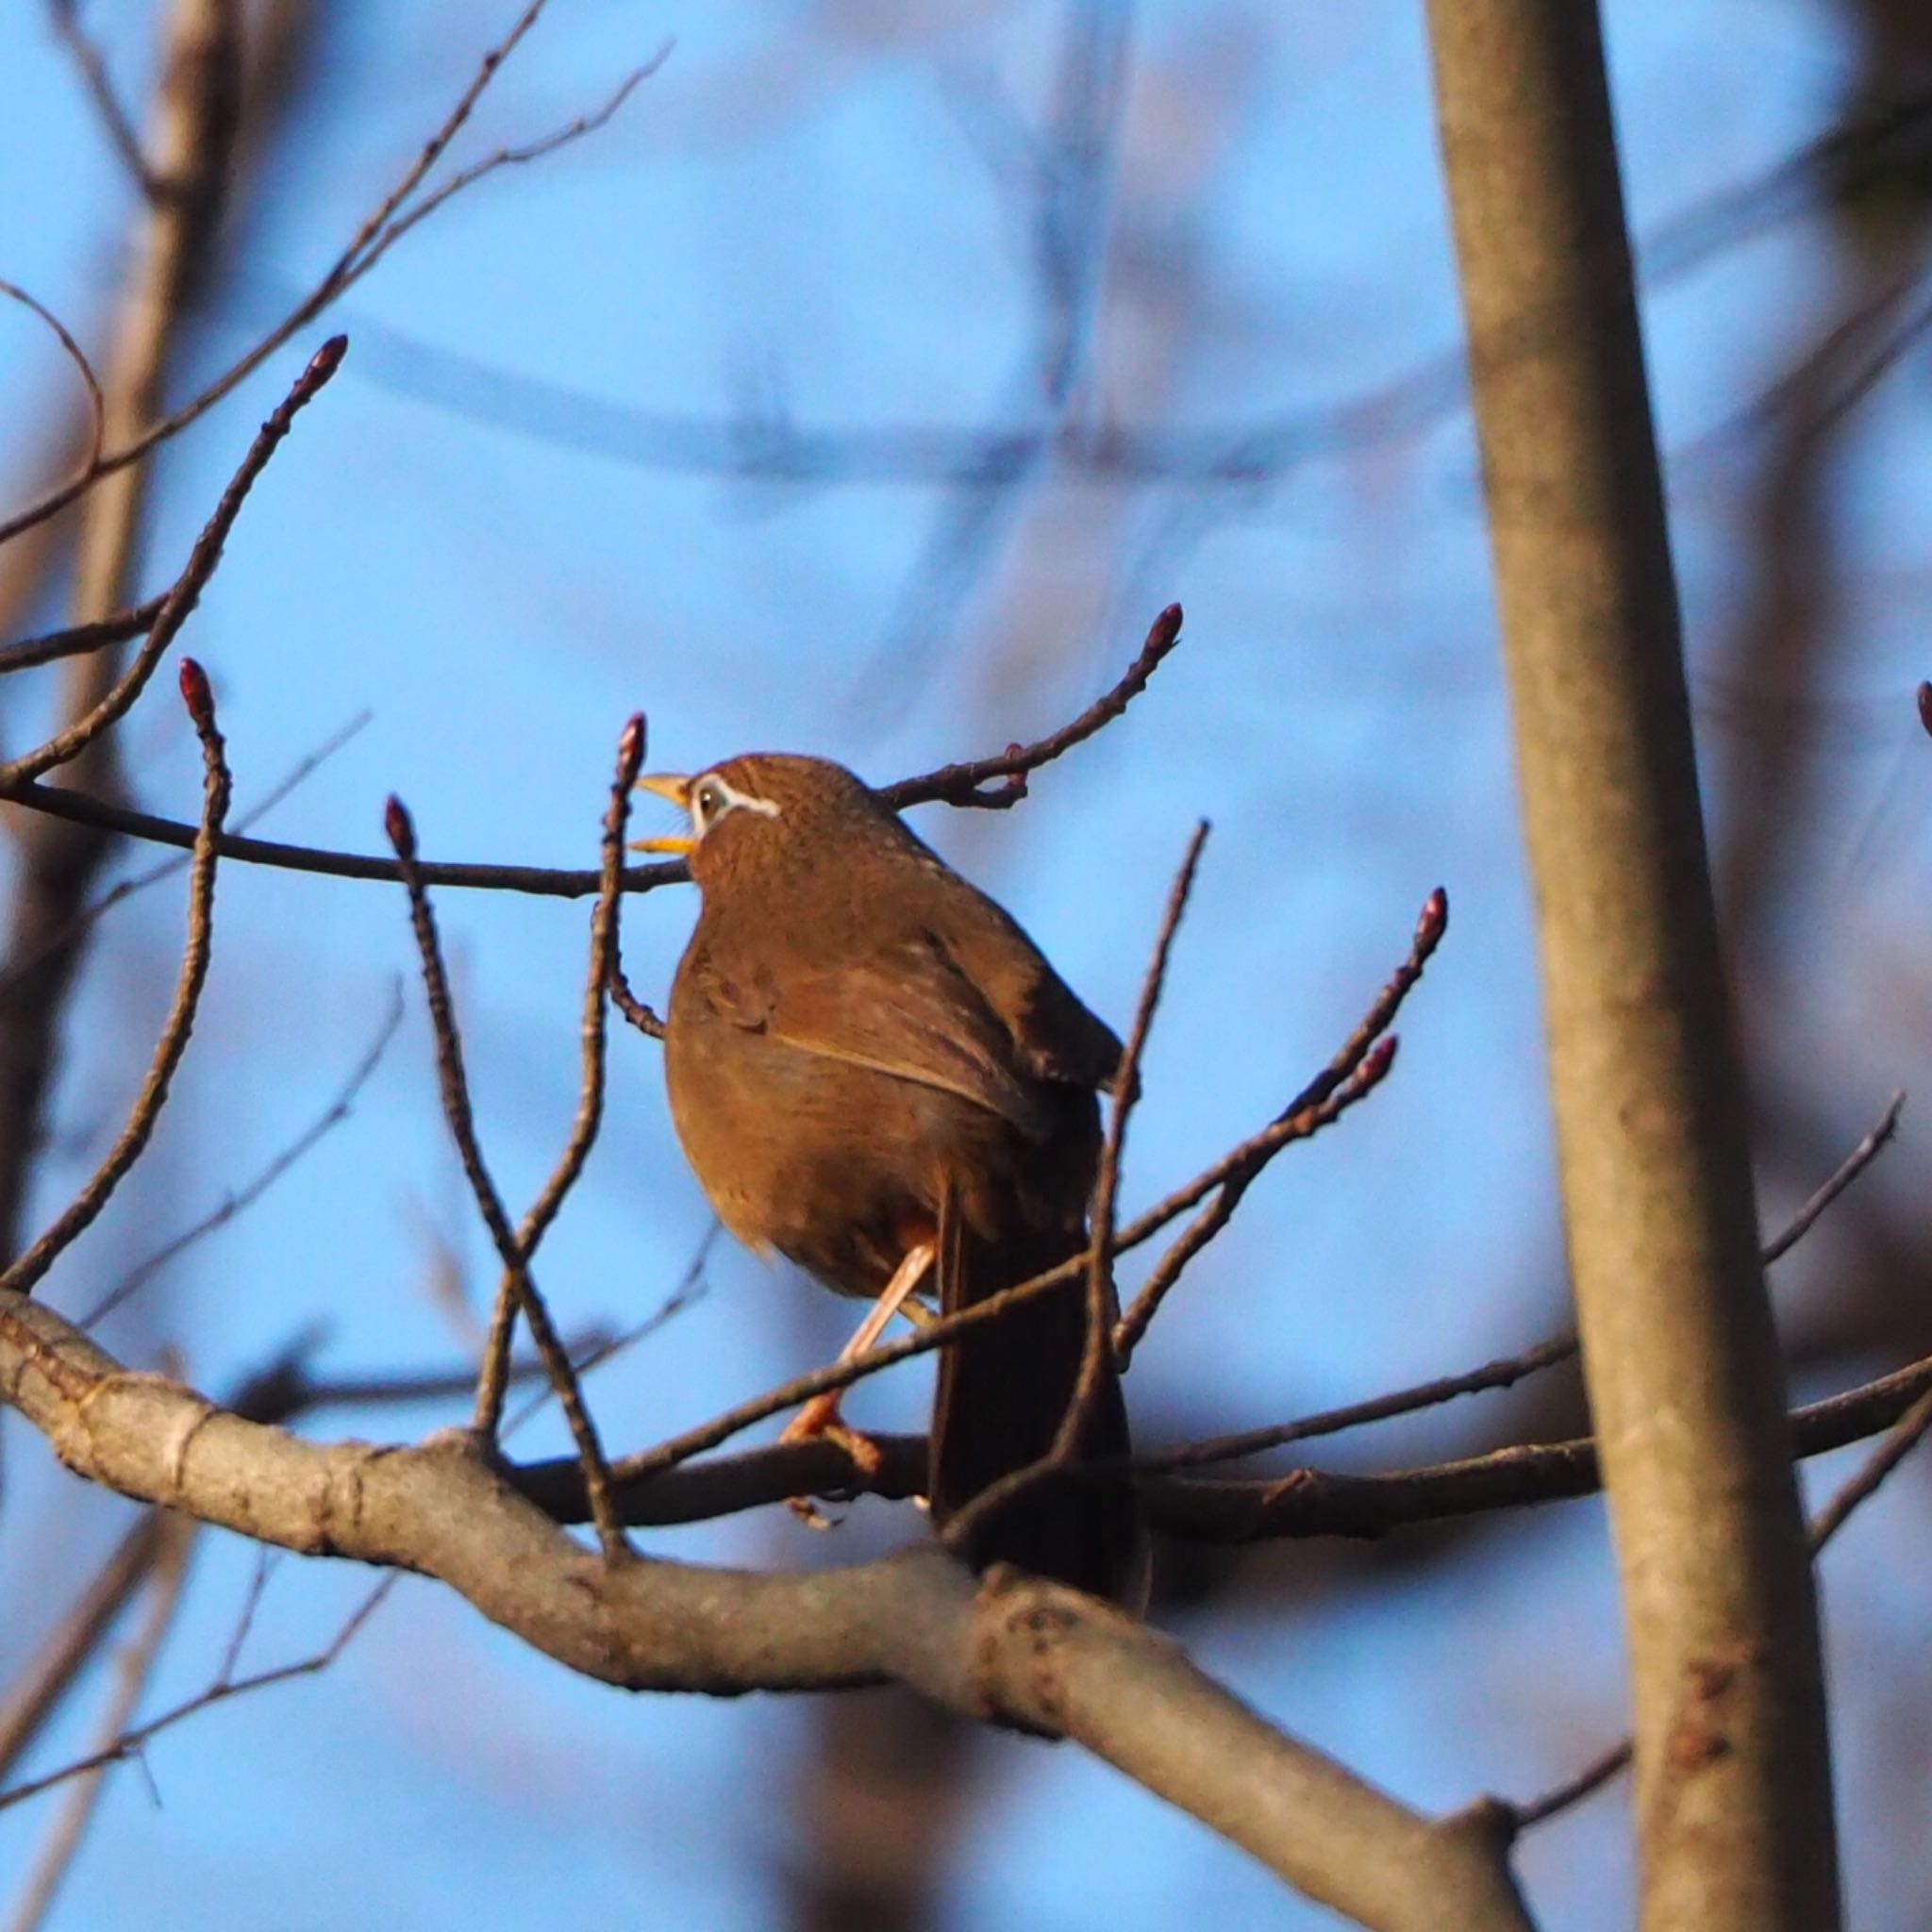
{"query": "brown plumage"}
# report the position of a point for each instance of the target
(864, 1052)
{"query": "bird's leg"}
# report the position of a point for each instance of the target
(819, 1416)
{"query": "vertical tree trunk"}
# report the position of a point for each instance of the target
(1733, 1798)
(188, 166)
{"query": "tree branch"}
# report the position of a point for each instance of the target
(457, 1111)
(25, 1272)
(1014, 1652)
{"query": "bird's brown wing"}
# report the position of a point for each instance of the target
(907, 1011)
(1053, 1035)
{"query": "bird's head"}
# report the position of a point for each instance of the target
(762, 808)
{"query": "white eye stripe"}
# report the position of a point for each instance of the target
(712, 797)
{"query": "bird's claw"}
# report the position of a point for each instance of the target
(820, 1420)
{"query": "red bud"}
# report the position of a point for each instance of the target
(1434, 922)
(401, 828)
(325, 362)
(195, 694)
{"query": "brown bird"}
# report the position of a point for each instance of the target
(875, 1072)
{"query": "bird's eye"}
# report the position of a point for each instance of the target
(706, 801)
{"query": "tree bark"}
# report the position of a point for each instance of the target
(1734, 1796)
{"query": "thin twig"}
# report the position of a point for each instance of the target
(132, 1741)
(65, 15)
(123, 888)
(1096, 1354)
(944, 1329)
(1096, 1348)
(457, 1109)
(1900, 1440)
(1234, 1174)
(370, 242)
(97, 403)
(27, 1270)
(958, 785)
(252, 1189)
(79, 638)
(589, 1115)
(589, 122)
(1504, 1373)
(39, 1691)
(1430, 926)
(1506, 1370)
(994, 784)
(690, 1289)
(1373, 1068)
(541, 881)
(188, 587)
(634, 1009)
(1855, 1163)
(167, 1579)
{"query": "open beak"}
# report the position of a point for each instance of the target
(677, 790)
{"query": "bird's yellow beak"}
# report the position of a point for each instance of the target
(677, 790)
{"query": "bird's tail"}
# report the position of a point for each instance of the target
(1002, 1392)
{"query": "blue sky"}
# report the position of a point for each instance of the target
(814, 214)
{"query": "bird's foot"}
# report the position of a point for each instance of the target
(819, 1419)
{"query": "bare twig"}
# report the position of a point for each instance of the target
(27, 1270)
(77, 637)
(252, 1189)
(973, 782)
(603, 927)
(456, 1106)
(97, 403)
(1505, 1371)
(995, 1650)
(168, 1575)
(968, 784)
(1373, 1068)
(188, 587)
(370, 243)
(1430, 926)
(942, 1329)
(1502, 1373)
(634, 1009)
(125, 889)
(1855, 1163)
(1095, 1357)
(540, 881)
(131, 1741)
(65, 15)
(192, 122)
(1236, 1173)
(37, 1691)
(1900, 1440)
(1096, 1265)
(772, 447)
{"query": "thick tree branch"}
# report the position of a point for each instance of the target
(1012, 1652)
